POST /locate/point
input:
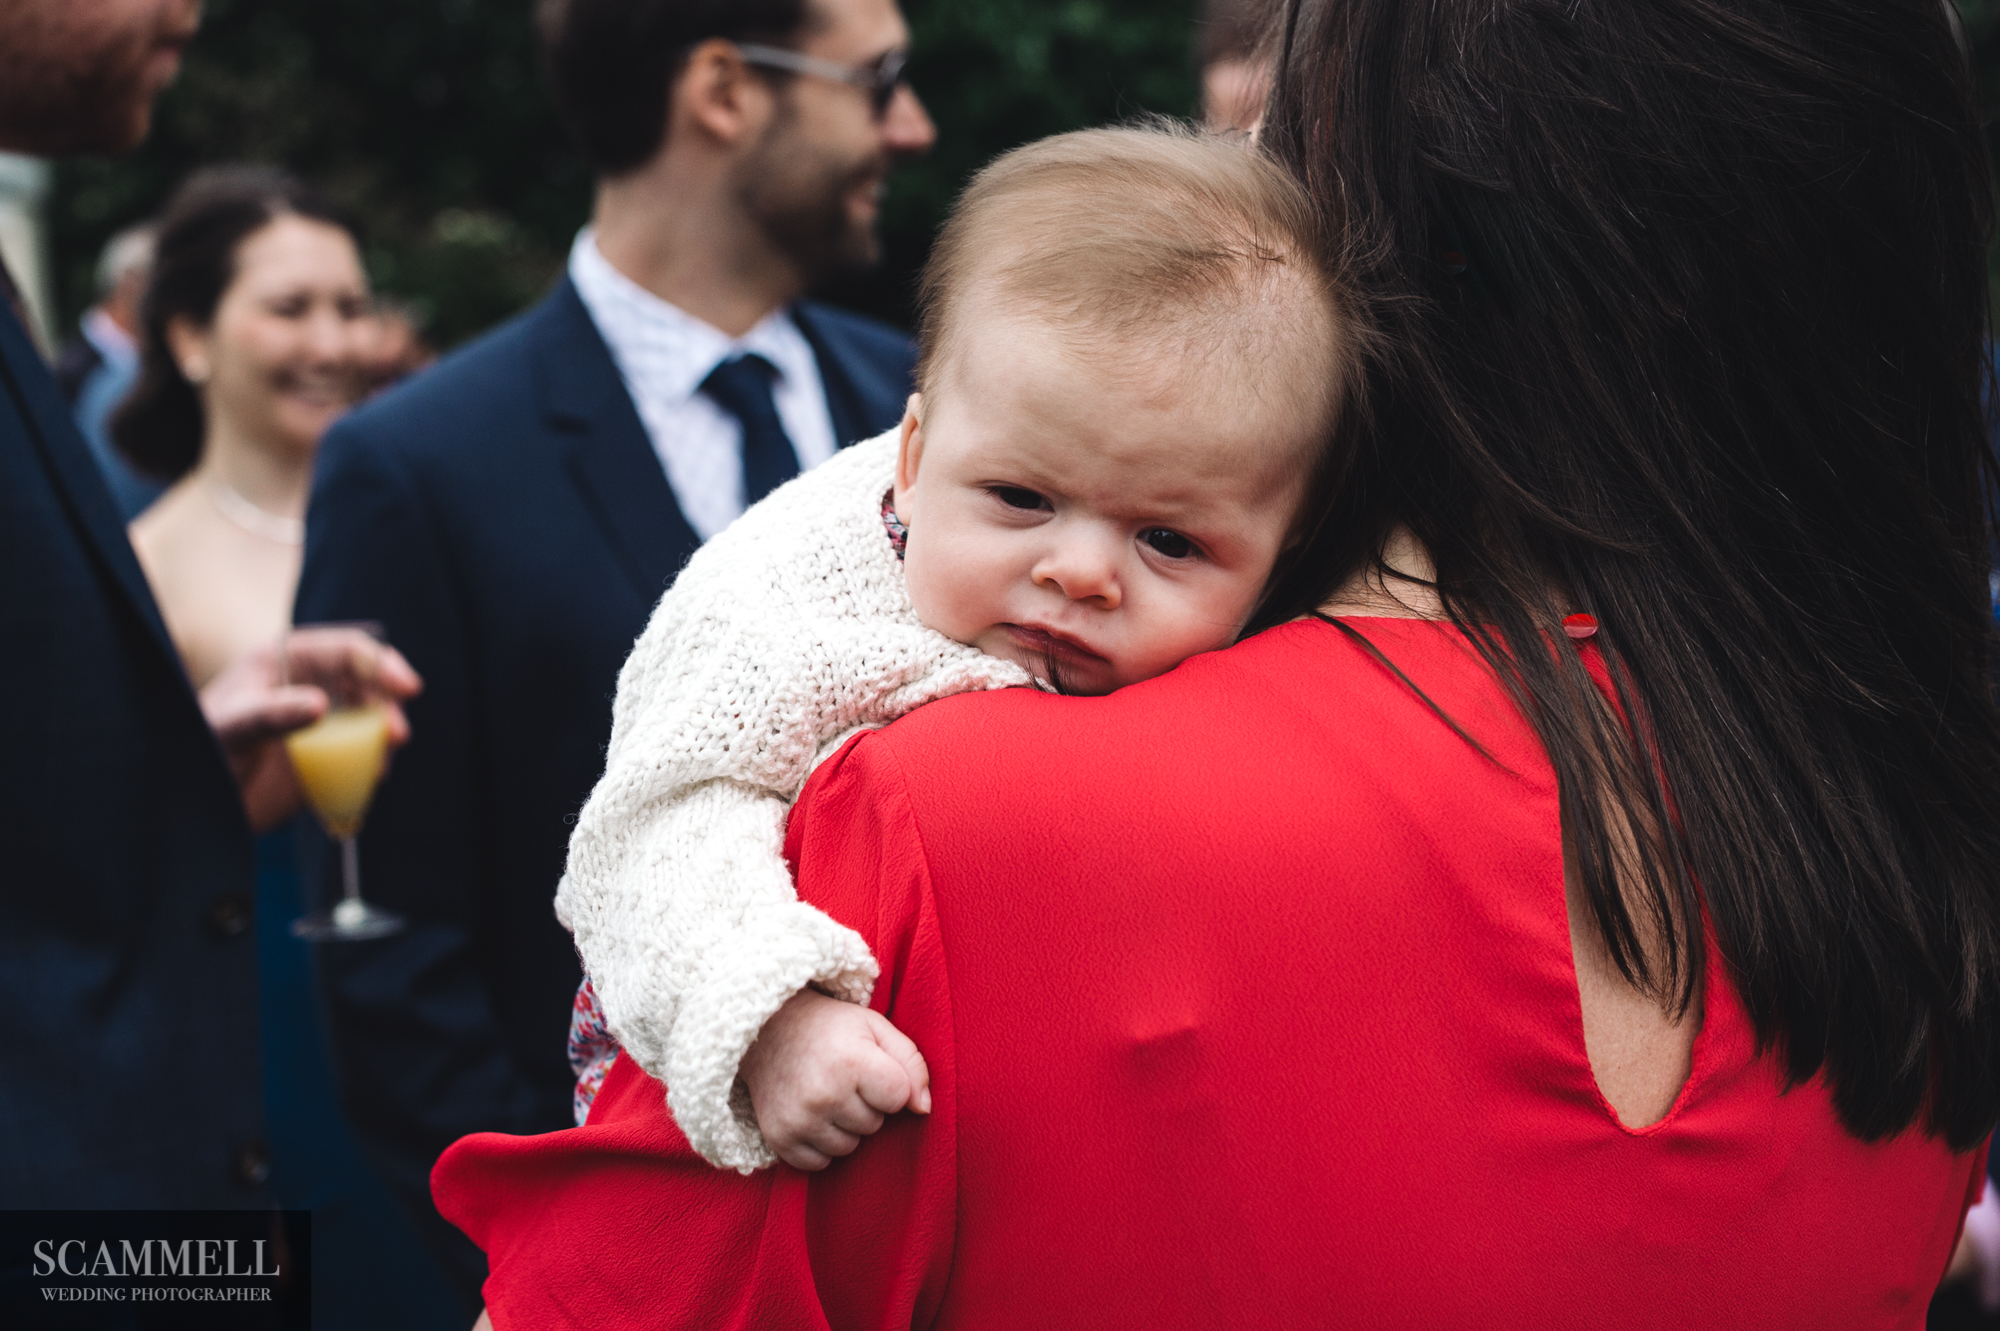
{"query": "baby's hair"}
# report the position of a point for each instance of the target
(1136, 240)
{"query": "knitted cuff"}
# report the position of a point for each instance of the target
(751, 972)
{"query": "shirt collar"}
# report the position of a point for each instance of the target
(670, 349)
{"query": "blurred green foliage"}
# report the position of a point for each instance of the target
(995, 74)
(429, 120)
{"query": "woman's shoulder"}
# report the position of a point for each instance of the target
(184, 544)
(1275, 675)
(1384, 703)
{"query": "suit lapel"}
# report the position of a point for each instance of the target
(608, 453)
(854, 409)
(75, 477)
(842, 403)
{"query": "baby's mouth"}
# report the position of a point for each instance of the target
(1045, 643)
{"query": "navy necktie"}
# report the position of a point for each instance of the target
(741, 386)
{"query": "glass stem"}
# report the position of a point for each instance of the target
(350, 869)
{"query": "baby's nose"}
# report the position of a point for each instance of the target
(1082, 573)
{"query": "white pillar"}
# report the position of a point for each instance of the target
(24, 186)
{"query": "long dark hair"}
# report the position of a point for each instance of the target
(159, 426)
(1683, 323)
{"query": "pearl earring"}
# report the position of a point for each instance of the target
(195, 372)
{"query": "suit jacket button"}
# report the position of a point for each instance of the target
(230, 916)
(252, 1165)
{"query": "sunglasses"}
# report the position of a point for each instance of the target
(879, 78)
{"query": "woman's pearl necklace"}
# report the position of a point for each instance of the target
(258, 522)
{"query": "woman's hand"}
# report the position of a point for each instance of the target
(823, 1074)
(251, 707)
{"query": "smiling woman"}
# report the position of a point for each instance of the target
(255, 333)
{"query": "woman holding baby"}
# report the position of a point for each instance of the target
(1570, 901)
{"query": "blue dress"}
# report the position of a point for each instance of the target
(369, 1271)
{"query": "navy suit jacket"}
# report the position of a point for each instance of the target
(129, 1070)
(506, 520)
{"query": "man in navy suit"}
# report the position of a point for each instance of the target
(511, 516)
(129, 1070)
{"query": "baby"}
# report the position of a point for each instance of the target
(1133, 363)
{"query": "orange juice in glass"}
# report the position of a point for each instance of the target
(339, 760)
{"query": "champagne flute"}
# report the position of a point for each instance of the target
(339, 760)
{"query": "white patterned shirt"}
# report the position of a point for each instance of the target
(663, 354)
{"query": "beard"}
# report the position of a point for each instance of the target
(797, 192)
(66, 89)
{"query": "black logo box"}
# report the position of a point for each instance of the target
(114, 1270)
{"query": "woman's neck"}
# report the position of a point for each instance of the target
(276, 480)
(1400, 586)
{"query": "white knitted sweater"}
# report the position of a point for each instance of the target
(785, 634)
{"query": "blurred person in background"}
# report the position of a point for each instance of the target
(107, 334)
(257, 328)
(394, 348)
(130, 1069)
(512, 515)
(1235, 60)
(98, 367)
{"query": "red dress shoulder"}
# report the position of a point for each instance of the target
(1248, 1000)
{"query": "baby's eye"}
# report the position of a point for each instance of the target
(1013, 496)
(1171, 544)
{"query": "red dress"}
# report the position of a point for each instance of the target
(1248, 1001)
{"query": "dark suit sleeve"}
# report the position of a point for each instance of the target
(421, 1054)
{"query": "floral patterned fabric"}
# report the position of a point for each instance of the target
(592, 1050)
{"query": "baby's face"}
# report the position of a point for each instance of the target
(1116, 518)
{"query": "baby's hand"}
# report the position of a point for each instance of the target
(823, 1074)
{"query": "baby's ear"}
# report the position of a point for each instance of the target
(910, 454)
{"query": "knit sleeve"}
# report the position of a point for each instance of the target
(786, 633)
